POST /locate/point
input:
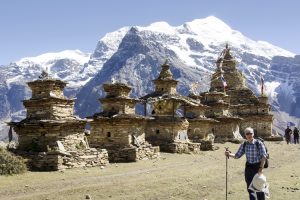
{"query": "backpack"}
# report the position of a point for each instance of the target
(266, 165)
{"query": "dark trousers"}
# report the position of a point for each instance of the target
(250, 171)
(296, 140)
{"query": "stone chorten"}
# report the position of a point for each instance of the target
(201, 128)
(118, 129)
(50, 135)
(255, 111)
(167, 129)
(226, 127)
(226, 66)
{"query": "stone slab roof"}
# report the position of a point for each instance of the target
(157, 95)
(228, 118)
(34, 122)
(202, 119)
(112, 115)
(47, 99)
(110, 99)
(48, 80)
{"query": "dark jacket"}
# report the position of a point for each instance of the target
(288, 132)
(296, 133)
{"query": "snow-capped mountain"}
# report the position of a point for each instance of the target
(134, 54)
(60, 65)
(192, 50)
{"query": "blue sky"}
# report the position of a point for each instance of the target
(33, 27)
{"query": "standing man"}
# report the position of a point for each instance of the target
(256, 156)
(296, 135)
(287, 134)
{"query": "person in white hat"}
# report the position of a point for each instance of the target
(256, 157)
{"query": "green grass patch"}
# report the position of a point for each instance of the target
(11, 164)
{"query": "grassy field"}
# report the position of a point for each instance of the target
(173, 176)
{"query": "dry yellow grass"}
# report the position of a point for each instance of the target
(171, 177)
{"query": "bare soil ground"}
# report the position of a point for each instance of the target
(173, 176)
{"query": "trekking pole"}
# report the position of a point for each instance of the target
(227, 157)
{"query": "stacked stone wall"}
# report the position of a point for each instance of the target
(242, 96)
(165, 130)
(57, 160)
(262, 125)
(180, 147)
(62, 111)
(42, 137)
(133, 153)
(166, 87)
(225, 131)
(118, 134)
(42, 92)
(199, 130)
(52, 109)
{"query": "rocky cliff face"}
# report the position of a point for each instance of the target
(284, 77)
(286, 71)
(5, 107)
(4, 104)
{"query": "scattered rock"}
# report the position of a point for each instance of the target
(216, 148)
(88, 196)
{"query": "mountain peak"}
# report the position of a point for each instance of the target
(113, 39)
(161, 26)
(210, 22)
(211, 28)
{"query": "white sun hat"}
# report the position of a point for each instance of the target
(259, 184)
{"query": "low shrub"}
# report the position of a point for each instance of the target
(11, 164)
